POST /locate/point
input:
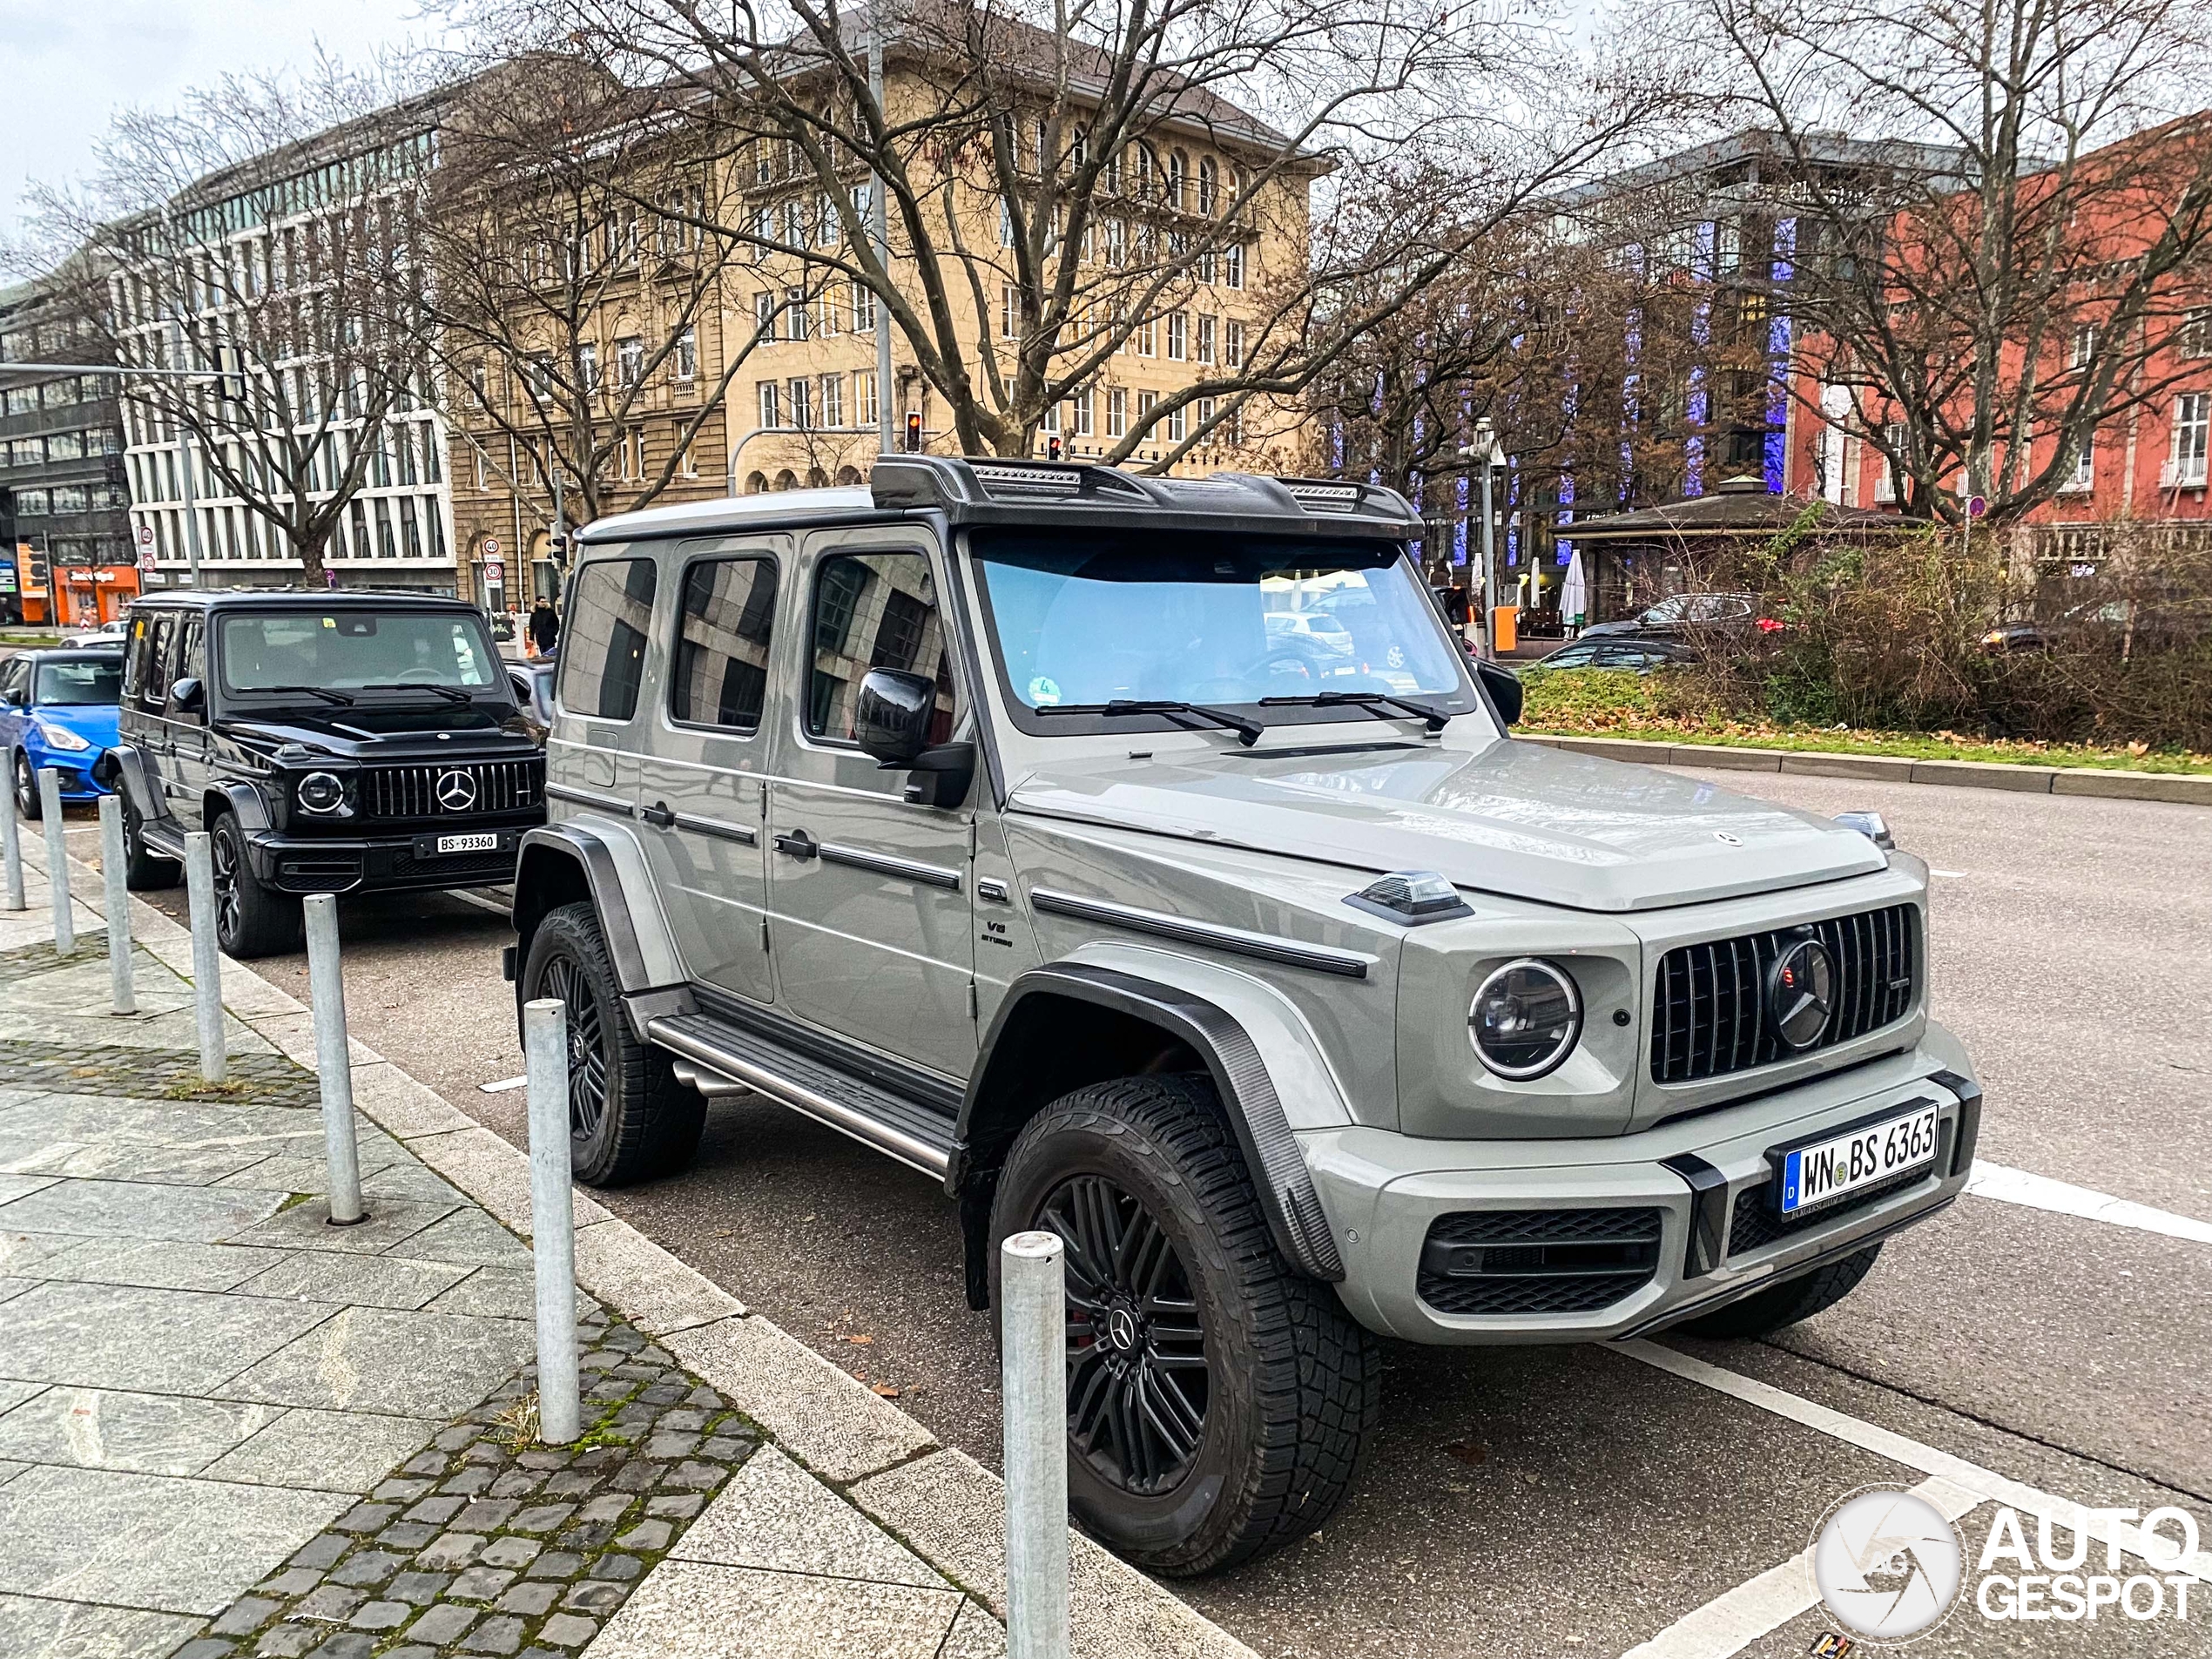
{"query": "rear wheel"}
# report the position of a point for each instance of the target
(1217, 1399)
(250, 919)
(1768, 1310)
(142, 870)
(26, 787)
(629, 1117)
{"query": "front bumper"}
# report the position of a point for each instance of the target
(73, 771)
(1703, 1176)
(408, 863)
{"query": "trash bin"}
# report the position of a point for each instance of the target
(1504, 635)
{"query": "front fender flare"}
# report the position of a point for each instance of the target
(614, 874)
(1240, 1075)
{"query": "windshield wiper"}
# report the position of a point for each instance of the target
(445, 691)
(1374, 702)
(1248, 732)
(324, 692)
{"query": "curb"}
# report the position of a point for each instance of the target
(942, 1504)
(2188, 788)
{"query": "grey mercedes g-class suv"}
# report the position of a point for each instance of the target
(1142, 859)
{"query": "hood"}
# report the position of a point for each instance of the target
(94, 722)
(374, 733)
(1515, 819)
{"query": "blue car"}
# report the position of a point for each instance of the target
(57, 709)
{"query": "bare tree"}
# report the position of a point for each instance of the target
(575, 300)
(2015, 272)
(1061, 185)
(261, 233)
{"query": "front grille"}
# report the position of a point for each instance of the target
(1709, 1014)
(1753, 1224)
(412, 791)
(1537, 1261)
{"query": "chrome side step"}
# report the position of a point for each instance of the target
(718, 1058)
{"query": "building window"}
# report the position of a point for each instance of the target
(2083, 347)
(771, 404)
(1081, 405)
(687, 354)
(1178, 336)
(832, 404)
(2185, 467)
(1009, 312)
(795, 312)
(1886, 486)
(863, 308)
(1209, 186)
(1144, 404)
(1116, 411)
(1232, 344)
(1148, 337)
(1116, 242)
(587, 366)
(866, 410)
(1205, 419)
(629, 359)
(2194, 337)
(1232, 265)
(1177, 420)
(763, 315)
(2083, 478)
(1207, 328)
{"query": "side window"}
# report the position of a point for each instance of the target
(192, 659)
(134, 658)
(153, 682)
(13, 675)
(721, 672)
(602, 646)
(874, 610)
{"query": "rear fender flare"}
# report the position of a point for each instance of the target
(129, 774)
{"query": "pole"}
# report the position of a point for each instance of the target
(333, 1061)
(1489, 567)
(113, 871)
(192, 507)
(11, 846)
(207, 956)
(1033, 1326)
(886, 427)
(545, 1060)
(49, 806)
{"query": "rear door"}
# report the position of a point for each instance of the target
(869, 893)
(702, 786)
(189, 742)
(590, 757)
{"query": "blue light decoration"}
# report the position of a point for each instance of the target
(1462, 492)
(1697, 408)
(1776, 453)
(1565, 550)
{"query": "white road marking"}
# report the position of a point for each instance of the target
(1949, 875)
(2041, 1192)
(479, 901)
(1915, 1454)
(1734, 1619)
(502, 1086)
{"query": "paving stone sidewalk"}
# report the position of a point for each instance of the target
(229, 1428)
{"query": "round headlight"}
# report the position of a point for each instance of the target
(321, 791)
(1526, 1019)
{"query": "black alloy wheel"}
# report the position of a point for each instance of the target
(1137, 1374)
(563, 980)
(251, 920)
(26, 786)
(225, 857)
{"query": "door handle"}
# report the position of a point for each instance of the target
(658, 815)
(799, 844)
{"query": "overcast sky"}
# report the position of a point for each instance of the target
(67, 65)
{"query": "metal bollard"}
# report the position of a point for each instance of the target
(112, 872)
(333, 1061)
(10, 848)
(207, 957)
(50, 806)
(545, 1058)
(1033, 1324)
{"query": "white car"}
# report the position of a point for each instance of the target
(108, 633)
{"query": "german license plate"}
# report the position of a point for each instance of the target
(468, 844)
(1813, 1175)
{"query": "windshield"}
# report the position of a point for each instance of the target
(89, 681)
(345, 651)
(1085, 618)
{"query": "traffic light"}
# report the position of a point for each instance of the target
(1052, 449)
(913, 432)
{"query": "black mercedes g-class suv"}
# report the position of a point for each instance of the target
(328, 743)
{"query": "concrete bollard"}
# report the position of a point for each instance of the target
(11, 848)
(123, 999)
(545, 1059)
(50, 806)
(333, 1061)
(207, 957)
(1033, 1326)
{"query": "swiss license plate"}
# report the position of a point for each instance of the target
(1813, 1175)
(468, 844)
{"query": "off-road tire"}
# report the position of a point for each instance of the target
(1765, 1311)
(647, 1123)
(31, 808)
(252, 920)
(1294, 1383)
(143, 872)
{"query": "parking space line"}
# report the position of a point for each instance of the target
(1736, 1618)
(2061, 1197)
(1916, 1454)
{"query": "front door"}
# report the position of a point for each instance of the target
(869, 893)
(701, 788)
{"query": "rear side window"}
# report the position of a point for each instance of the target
(153, 663)
(722, 633)
(602, 644)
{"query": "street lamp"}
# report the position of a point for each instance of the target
(1485, 453)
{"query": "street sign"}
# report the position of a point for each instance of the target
(1976, 506)
(145, 558)
(145, 536)
(491, 547)
(494, 571)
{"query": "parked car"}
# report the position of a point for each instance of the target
(57, 709)
(111, 634)
(1689, 616)
(976, 814)
(2162, 623)
(1616, 650)
(328, 743)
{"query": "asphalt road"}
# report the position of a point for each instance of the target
(1579, 1500)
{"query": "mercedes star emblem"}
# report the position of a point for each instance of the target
(456, 791)
(1801, 993)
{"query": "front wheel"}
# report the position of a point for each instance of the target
(251, 920)
(28, 805)
(1217, 1399)
(628, 1117)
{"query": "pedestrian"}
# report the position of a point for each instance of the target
(545, 628)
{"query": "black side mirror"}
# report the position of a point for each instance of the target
(1504, 689)
(891, 723)
(187, 695)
